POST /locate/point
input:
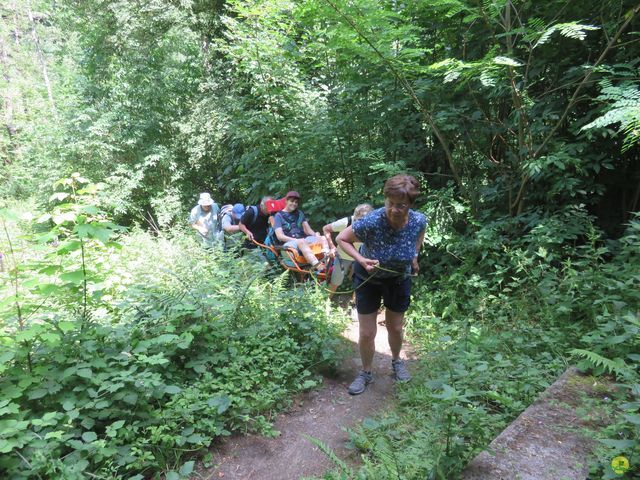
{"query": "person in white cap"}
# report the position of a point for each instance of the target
(204, 218)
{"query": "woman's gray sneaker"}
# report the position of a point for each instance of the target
(359, 385)
(400, 371)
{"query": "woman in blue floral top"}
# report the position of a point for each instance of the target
(391, 238)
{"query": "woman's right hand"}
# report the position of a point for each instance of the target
(369, 264)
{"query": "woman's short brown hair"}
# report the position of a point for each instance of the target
(402, 186)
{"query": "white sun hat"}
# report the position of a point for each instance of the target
(205, 199)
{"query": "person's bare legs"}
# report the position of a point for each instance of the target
(367, 346)
(394, 322)
(324, 243)
(337, 276)
(367, 338)
(306, 252)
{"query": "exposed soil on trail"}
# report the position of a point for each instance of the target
(322, 414)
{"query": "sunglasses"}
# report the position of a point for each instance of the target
(396, 206)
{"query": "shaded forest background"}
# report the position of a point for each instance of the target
(505, 108)
(124, 355)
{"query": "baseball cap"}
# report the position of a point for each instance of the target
(238, 210)
(293, 194)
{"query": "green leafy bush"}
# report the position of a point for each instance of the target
(123, 360)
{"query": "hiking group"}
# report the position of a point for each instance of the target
(378, 248)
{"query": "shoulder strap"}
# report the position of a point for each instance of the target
(349, 221)
(224, 210)
(254, 209)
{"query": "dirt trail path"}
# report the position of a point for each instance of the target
(322, 414)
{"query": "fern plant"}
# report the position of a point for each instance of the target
(343, 471)
(617, 366)
(623, 108)
(574, 30)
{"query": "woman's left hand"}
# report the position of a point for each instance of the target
(415, 268)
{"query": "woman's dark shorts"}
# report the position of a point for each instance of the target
(394, 292)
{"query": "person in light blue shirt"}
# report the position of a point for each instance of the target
(204, 219)
(391, 238)
(230, 224)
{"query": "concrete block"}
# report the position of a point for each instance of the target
(547, 441)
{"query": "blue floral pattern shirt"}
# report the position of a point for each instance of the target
(395, 249)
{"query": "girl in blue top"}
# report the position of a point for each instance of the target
(391, 238)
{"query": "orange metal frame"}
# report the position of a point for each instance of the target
(297, 261)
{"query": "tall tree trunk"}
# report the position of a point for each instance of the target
(7, 105)
(41, 59)
(16, 30)
(634, 206)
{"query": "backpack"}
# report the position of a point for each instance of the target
(287, 225)
(255, 211)
(272, 241)
(224, 210)
(219, 233)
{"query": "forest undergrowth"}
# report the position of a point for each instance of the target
(125, 355)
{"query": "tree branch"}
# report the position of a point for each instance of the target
(409, 89)
(572, 102)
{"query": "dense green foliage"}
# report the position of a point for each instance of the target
(506, 100)
(519, 117)
(126, 358)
